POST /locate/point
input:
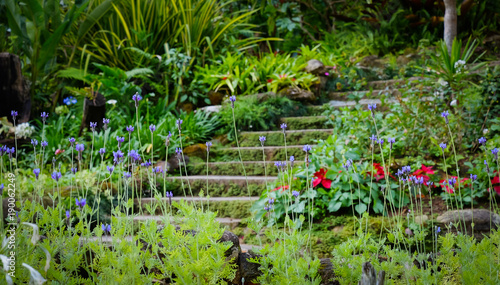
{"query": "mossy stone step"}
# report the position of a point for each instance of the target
(229, 207)
(304, 123)
(218, 186)
(252, 168)
(276, 138)
(161, 219)
(272, 153)
(382, 84)
(367, 94)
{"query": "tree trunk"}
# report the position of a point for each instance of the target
(450, 22)
(14, 89)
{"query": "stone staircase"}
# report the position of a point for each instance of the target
(227, 185)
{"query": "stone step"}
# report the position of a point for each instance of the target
(305, 122)
(276, 138)
(218, 185)
(161, 219)
(109, 240)
(226, 207)
(382, 84)
(272, 153)
(252, 168)
(339, 104)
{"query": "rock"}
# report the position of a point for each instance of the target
(315, 66)
(369, 275)
(187, 106)
(247, 270)
(298, 94)
(173, 163)
(326, 273)
(14, 89)
(215, 97)
(421, 219)
(371, 61)
(209, 109)
(234, 250)
(482, 219)
(197, 150)
(338, 229)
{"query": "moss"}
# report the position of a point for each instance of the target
(221, 189)
(276, 139)
(301, 123)
(272, 154)
(252, 169)
(232, 209)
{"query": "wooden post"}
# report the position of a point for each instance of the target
(14, 89)
(94, 110)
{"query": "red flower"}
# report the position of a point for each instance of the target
(379, 174)
(496, 183)
(422, 171)
(224, 78)
(283, 188)
(59, 151)
(269, 80)
(293, 79)
(320, 178)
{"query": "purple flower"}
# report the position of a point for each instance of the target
(306, 148)
(34, 142)
(482, 140)
(72, 141)
(147, 163)
(11, 151)
(44, 144)
(152, 128)
(487, 166)
(68, 214)
(262, 140)
(442, 145)
(127, 175)
(110, 169)
(74, 170)
(208, 144)
(438, 230)
(271, 201)
(408, 232)
(13, 114)
(106, 228)
(44, 116)
(495, 152)
(1, 188)
(36, 171)
(327, 74)
(295, 194)
(120, 140)
(232, 99)
(178, 150)
(473, 177)
(178, 123)
(93, 125)
(391, 141)
(102, 151)
(117, 156)
(81, 203)
(169, 194)
(129, 129)
(157, 170)
(371, 108)
(105, 122)
(267, 209)
(445, 115)
(3, 150)
(381, 141)
(283, 126)
(347, 164)
(69, 100)
(136, 97)
(134, 155)
(373, 138)
(56, 176)
(80, 147)
(452, 181)
(167, 140)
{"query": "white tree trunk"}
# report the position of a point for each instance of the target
(450, 22)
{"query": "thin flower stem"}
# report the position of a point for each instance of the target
(458, 177)
(239, 152)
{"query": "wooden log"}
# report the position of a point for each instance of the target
(94, 110)
(14, 89)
